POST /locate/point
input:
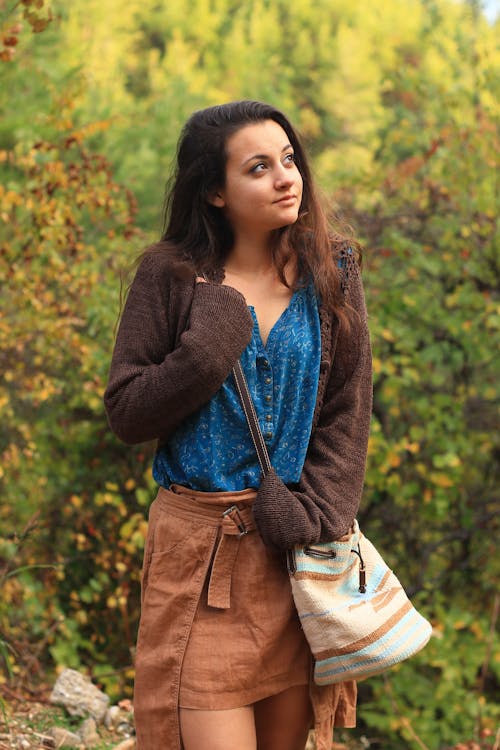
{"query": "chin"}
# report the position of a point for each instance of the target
(288, 222)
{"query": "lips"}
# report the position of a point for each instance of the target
(286, 199)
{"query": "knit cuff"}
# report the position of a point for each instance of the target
(221, 312)
(273, 510)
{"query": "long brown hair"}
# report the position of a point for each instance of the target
(198, 235)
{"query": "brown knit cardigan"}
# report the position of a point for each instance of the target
(178, 341)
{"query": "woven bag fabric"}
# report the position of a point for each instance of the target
(353, 633)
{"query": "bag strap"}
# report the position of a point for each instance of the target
(265, 462)
(251, 416)
(258, 440)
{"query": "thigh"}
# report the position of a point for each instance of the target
(283, 721)
(218, 730)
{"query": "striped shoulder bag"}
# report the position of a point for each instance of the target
(355, 614)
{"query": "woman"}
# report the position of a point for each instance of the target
(246, 268)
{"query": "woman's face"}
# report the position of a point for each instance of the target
(263, 188)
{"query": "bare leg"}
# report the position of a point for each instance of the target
(218, 730)
(283, 721)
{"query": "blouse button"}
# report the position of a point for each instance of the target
(268, 435)
(268, 398)
(269, 418)
(267, 381)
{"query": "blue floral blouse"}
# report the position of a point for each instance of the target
(213, 451)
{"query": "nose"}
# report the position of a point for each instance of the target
(284, 177)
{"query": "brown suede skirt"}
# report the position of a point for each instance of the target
(218, 625)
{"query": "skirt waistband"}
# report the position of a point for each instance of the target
(231, 512)
(214, 498)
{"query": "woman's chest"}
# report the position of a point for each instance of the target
(268, 299)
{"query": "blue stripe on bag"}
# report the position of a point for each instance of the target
(366, 656)
(345, 588)
(310, 565)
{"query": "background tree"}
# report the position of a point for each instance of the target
(398, 103)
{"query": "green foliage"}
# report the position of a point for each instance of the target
(452, 670)
(433, 286)
(398, 103)
(65, 223)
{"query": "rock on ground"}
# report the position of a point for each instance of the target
(64, 738)
(79, 696)
(88, 732)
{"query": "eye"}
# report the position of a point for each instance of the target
(289, 159)
(258, 167)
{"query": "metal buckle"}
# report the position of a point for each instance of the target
(237, 520)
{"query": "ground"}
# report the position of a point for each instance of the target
(24, 725)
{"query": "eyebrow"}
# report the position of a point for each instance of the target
(265, 156)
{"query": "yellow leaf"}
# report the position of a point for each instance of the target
(476, 628)
(409, 301)
(394, 460)
(76, 501)
(81, 616)
(412, 447)
(441, 480)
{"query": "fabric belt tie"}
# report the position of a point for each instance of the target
(233, 522)
(236, 522)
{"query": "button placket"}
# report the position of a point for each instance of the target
(267, 430)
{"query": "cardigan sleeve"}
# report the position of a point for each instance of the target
(324, 503)
(153, 386)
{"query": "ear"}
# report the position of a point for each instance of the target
(216, 199)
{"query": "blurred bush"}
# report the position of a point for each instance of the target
(398, 104)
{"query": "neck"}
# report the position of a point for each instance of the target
(250, 255)
(246, 263)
